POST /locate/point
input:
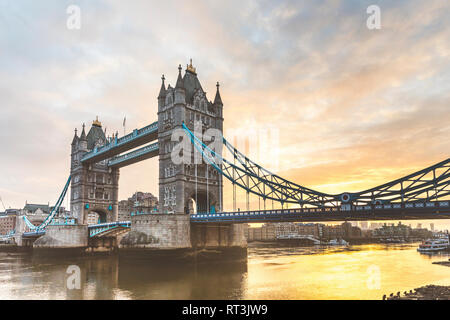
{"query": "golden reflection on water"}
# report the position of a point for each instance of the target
(355, 272)
(341, 273)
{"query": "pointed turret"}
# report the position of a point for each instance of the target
(179, 83)
(180, 90)
(83, 134)
(218, 99)
(82, 143)
(75, 138)
(162, 92)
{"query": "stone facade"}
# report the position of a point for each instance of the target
(184, 189)
(7, 224)
(211, 236)
(160, 231)
(63, 236)
(94, 187)
(183, 185)
(139, 201)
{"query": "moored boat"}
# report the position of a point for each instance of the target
(433, 245)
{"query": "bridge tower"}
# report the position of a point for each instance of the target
(95, 187)
(187, 188)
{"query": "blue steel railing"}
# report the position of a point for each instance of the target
(134, 154)
(63, 222)
(281, 214)
(33, 233)
(96, 229)
(120, 141)
(7, 236)
(53, 213)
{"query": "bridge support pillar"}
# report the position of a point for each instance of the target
(63, 236)
(173, 235)
(204, 236)
(158, 231)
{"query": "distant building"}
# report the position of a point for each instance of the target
(93, 218)
(273, 231)
(7, 224)
(344, 230)
(432, 226)
(364, 225)
(13, 212)
(35, 209)
(392, 231)
(37, 213)
(421, 233)
(139, 201)
(264, 233)
(375, 225)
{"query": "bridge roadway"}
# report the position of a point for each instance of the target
(396, 211)
(95, 230)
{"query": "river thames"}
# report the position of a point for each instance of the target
(354, 272)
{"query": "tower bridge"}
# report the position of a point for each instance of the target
(190, 212)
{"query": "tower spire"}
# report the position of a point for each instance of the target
(75, 137)
(83, 134)
(162, 92)
(218, 99)
(179, 83)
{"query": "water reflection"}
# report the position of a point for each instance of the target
(153, 280)
(269, 273)
(30, 277)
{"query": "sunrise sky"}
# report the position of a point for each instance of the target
(349, 107)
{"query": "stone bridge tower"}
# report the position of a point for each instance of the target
(187, 188)
(94, 187)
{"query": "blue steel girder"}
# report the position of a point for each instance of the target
(53, 213)
(102, 229)
(141, 154)
(128, 142)
(432, 183)
(395, 211)
(273, 190)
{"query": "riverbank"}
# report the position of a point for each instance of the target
(305, 242)
(430, 292)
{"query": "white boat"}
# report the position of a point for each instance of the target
(433, 245)
(335, 242)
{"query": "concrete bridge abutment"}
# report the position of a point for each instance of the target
(63, 236)
(174, 235)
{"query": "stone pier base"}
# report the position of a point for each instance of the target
(204, 236)
(158, 231)
(172, 237)
(63, 237)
